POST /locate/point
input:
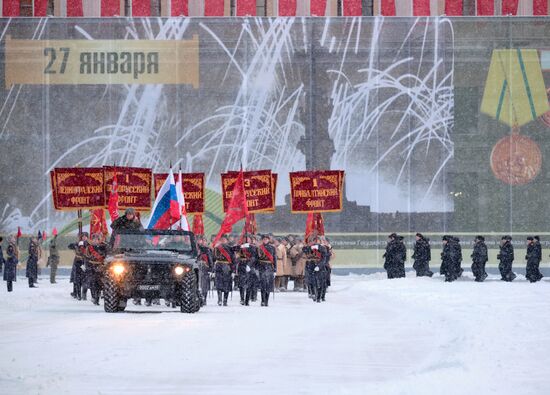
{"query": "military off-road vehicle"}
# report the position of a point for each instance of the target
(152, 264)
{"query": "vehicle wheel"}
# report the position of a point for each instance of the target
(110, 295)
(189, 296)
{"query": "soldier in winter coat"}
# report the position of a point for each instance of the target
(10, 267)
(1, 255)
(298, 264)
(422, 256)
(78, 271)
(395, 257)
(532, 272)
(224, 269)
(479, 259)
(318, 257)
(506, 258)
(53, 259)
(267, 264)
(32, 262)
(248, 269)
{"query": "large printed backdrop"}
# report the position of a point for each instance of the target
(394, 103)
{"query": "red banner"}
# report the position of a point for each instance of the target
(319, 191)
(259, 187)
(193, 190)
(77, 188)
(134, 186)
(110, 8)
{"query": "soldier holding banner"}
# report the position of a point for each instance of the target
(267, 260)
(97, 251)
(317, 265)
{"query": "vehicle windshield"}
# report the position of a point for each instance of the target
(149, 240)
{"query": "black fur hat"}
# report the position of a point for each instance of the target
(393, 236)
(480, 238)
(536, 238)
(530, 238)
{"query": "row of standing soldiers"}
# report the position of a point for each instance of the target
(10, 264)
(451, 258)
(254, 265)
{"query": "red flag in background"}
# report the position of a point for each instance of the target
(198, 225)
(110, 8)
(113, 199)
(237, 210)
(180, 7)
(315, 225)
(19, 234)
(250, 227)
(44, 237)
(54, 232)
(98, 223)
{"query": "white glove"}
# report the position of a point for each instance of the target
(232, 275)
(80, 243)
(248, 269)
(316, 268)
(245, 245)
(83, 268)
(315, 247)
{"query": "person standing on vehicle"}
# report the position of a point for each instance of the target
(479, 259)
(53, 259)
(10, 267)
(32, 262)
(206, 266)
(97, 251)
(224, 269)
(129, 221)
(267, 264)
(506, 258)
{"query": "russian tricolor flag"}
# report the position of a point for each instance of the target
(166, 210)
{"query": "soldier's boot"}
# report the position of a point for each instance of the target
(10, 286)
(137, 301)
(31, 285)
(254, 296)
(84, 293)
(263, 298)
(219, 298)
(247, 297)
(323, 293)
(225, 296)
(241, 292)
(147, 302)
(317, 297)
(266, 299)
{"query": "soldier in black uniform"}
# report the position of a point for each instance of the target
(10, 267)
(538, 254)
(78, 271)
(224, 269)
(317, 256)
(395, 256)
(457, 256)
(532, 272)
(506, 258)
(451, 258)
(422, 256)
(479, 259)
(267, 265)
(97, 251)
(32, 262)
(53, 259)
(247, 255)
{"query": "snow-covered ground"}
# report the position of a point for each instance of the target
(372, 336)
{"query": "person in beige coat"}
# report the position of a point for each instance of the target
(298, 264)
(283, 265)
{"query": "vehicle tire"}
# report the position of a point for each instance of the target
(111, 299)
(189, 296)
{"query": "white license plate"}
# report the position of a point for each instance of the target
(148, 287)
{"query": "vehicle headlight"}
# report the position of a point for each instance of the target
(118, 269)
(179, 270)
